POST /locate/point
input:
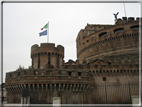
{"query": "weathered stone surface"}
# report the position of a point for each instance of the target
(106, 69)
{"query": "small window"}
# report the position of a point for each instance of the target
(79, 73)
(119, 30)
(25, 72)
(134, 27)
(34, 72)
(87, 40)
(10, 75)
(109, 63)
(18, 73)
(104, 78)
(103, 34)
(69, 73)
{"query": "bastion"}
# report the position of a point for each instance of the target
(106, 70)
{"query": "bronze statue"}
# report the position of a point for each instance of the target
(115, 15)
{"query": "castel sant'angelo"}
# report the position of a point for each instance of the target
(106, 70)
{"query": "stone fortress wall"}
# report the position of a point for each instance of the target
(106, 69)
(47, 55)
(116, 44)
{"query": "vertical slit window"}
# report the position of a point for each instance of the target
(49, 58)
(79, 73)
(38, 60)
(69, 73)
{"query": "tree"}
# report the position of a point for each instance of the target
(19, 68)
(30, 67)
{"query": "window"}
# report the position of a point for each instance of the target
(69, 73)
(79, 73)
(18, 73)
(10, 75)
(135, 27)
(104, 78)
(118, 30)
(25, 72)
(103, 34)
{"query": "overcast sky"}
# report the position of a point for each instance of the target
(22, 23)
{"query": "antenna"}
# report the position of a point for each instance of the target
(124, 8)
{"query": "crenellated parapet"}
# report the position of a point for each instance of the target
(47, 48)
(47, 56)
(126, 20)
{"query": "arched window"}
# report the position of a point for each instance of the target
(118, 30)
(135, 27)
(103, 34)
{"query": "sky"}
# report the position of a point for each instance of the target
(22, 23)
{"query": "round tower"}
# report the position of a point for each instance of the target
(118, 43)
(47, 56)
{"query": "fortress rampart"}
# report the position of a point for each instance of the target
(47, 56)
(111, 40)
(106, 70)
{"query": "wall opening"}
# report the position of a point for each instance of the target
(69, 73)
(104, 78)
(48, 58)
(18, 73)
(118, 30)
(103, 34)
(38, 60)
(135, 27)
(79, 73)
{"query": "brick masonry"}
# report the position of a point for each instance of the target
(106, 69)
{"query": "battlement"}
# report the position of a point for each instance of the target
(104, 40)
(47, 48)
(126, 19)
(47, 56)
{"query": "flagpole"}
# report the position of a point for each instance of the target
(124, 8)
(48, 33)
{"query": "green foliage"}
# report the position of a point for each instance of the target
(19, 68)
(30, 67)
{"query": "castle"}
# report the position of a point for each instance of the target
(106, 69)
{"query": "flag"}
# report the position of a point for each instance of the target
(46, 26)
(43, 33)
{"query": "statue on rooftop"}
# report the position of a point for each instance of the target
(115, 15)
